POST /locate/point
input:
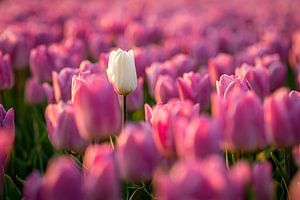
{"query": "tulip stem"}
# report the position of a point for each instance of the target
(124, 113)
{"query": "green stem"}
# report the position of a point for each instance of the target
(124, 113)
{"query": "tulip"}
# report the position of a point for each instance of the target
(136, 154)
(205, 179)
(34, 92)
(242, 119)
(294, 188)
(164, 118)
(101, 181)
(195, 87)
(62, 83)
(97, 109)
(7, 118)
(257, 77)
(281, 118)
(296, 155)
(276, 69)
(182, 64)
(41, 64)
(221, 64)
(94, 68)
(200, 139)
(63, 180)
(228, 85)
(49, 93)
(121, 71)
(155, 70)
(6, 74)
(135, 100)
(32, 187)
(62, 129)
(98, 43)
(142, 59)
(165, 89)
(262, 181)
(240, 177)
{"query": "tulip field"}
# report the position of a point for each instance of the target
(149, 100)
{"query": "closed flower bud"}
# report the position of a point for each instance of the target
(135, 100)
(136, 154)
(41, 64)
(101, 180)
(6, 74)
(7, 118)
(165, 89)
(63, 180)
(97, 109)
(282, 112)
(195, 87)
(121, 71)
(62, 129)
(262, 181)
(34, 92)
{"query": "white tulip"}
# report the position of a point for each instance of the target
(121, 71)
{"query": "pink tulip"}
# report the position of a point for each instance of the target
(34, 92)
(136, 154)
(63, 180)
(221, 64)
(281, 118)
(205, 179)
(7, 118)
(62, 129)
(228, 85)
(294, 188)
(32, 187)
(242, 119)
(240, 177)
(277, 71)
(6, 74)
(101, 181)
(165, 89)
(164, 118)
(262, 181)
(135, 99)
(41, 64)
(197, 139)
(195, 87)
(97, 109)
(62, 83)
(94, 68)
(257, 77)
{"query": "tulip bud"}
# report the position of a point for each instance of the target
(164, 118)
(62, 83)
(294, 188)
(32, 187)
(94, 68)
(136, 145)
(197, 139)
(257, 77)
(221, 64)
(282, 112)
(195, 87)
(6, 74)
(34, 92)
(262, 181)
(62, 128)
(62, 180)
(165, 89)
(101, 181)
(7, 118)
(135, 99)
(41, 64)
(97, 109)
(121, 71)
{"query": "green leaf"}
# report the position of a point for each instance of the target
(11, 190)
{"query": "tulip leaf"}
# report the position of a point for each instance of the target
(11, 190)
